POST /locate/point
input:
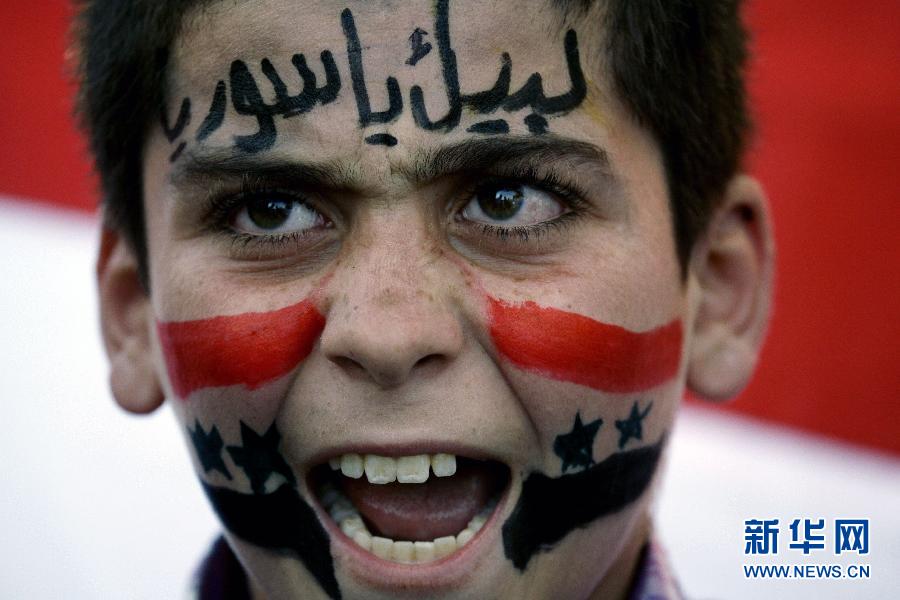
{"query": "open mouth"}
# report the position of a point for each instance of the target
(410, 509)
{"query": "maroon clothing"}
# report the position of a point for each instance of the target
(654, 579)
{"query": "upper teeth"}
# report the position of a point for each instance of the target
(386, 469)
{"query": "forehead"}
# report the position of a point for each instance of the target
(269, 23)
(392, 63)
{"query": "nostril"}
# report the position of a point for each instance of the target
(387, 375)
(390, 351)
(429, 361)
(350, 365)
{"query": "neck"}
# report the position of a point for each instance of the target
(619, 579)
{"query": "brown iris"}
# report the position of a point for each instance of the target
(268, 213)
(500, 202)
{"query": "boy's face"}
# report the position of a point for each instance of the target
(331, 281)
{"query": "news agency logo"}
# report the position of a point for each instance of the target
(761, 536)
(812, 538)
(850, 535)
(808, 537)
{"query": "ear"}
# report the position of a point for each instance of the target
(125, 319)
(733, 264)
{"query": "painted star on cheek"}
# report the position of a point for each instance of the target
(259, 457)
(632, 426)
(576, 447)
(281, 521)
(209, 448)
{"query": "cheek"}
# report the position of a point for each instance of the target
(249, 349)
(564, 366)
(604, 455)
(570, 347)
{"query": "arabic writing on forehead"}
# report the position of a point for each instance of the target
(247, 98)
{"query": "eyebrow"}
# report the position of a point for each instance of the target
(206, 164)
(424, 166)
(480, 154)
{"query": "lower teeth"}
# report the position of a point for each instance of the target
(401, 551)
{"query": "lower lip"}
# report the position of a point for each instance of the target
(442, 574)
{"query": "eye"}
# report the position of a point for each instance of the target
(511, 204)
(272, 213)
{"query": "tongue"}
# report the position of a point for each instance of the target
(424, 511)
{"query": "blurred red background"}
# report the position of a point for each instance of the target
(825, 86)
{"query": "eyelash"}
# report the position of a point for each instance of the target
(567, 192)
(222, 205)
(525, 233)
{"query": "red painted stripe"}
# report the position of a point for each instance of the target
(249, 349)
(571, 347)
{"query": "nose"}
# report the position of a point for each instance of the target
(392, 317)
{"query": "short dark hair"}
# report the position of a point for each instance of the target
(678, 65)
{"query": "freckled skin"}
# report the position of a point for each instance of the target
(405, 280)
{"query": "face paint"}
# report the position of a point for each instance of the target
(172, 132)
(571, 347)
(281, 521)
(248, 98)
(420, 48)
(209, 449)
(551, 508)
(494, 127)
(216, 115)
(632, 426)
(576, 448)
(249, 349)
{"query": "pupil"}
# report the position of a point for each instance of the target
(269, 214)
(500, 203)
